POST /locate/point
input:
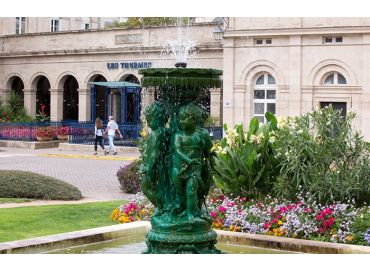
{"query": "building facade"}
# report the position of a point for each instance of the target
(287, 66)
(54, 70)
(290, 66)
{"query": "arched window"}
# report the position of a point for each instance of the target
(264, 96)
(335, 78)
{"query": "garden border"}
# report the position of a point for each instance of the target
(63, 240)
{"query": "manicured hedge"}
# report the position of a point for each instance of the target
(22, 184)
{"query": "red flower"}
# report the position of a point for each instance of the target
(331, 221)
(273, 221)
(319, 217)
(266, 225)
(321, 230)
(213, 214)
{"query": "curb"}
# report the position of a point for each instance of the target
(90, 148)
(290, 244)
(60, 241)
(69, 239)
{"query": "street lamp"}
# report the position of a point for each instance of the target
(218, 32)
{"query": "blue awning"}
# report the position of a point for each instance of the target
(115, 84)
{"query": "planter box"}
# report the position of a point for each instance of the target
(43, 139)
(62, 137)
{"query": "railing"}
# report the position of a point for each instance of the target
(79, 132)
(84, 134)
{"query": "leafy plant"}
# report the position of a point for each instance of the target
(129, 178)
(320, 154)
(13, 111)
(42, 117)
(244, 161)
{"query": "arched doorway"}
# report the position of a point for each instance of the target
(17, 86)
(130, 78)
(43, 96)
(130, 98)
(70, 99)
(100, 106)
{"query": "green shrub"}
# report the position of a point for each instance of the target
(129, 178)
(244, 163)
(320, 154)
(13, 110)
(21, 184)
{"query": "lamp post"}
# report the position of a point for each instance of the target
(218, 32)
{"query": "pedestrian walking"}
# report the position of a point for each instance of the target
(99, 132)
(111, 130)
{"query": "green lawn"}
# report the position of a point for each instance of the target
(28, 222)
(14, 200)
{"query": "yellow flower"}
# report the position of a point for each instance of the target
(349, 238)
(280, 222)
(114, 215)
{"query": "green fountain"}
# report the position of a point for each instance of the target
(176, 160)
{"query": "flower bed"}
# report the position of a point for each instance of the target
(337, 222)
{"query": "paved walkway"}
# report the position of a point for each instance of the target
(94, 175)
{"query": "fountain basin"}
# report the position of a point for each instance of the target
(134, 233)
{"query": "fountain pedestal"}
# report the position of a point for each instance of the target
(181, 237)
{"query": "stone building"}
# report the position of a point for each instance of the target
(293, 65)
(284, 65)
(53, 67)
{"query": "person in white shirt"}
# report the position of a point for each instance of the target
(112, 127)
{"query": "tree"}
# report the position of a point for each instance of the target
(134, 22)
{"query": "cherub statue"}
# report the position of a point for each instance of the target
(191, 147)
(153, 169)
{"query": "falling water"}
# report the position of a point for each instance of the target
(182, 47)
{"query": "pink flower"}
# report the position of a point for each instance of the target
(326, 211)
(283, 209)
(307, 210)
(291, 207)
(319, 217)
(222, 209)
(321, 230)
(278, 216)
(230, 204)
(213, 214)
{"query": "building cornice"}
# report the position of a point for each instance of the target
(99, 51)
(297, 31)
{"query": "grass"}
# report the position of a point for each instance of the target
(14, 200)
(28, 222)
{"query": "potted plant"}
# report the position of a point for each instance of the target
(45, 134)
(62, 133)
